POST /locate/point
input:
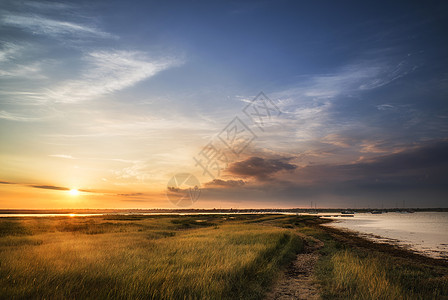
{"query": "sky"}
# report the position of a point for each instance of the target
(223, 104)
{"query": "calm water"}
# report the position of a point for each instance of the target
(13, 215)
(423, 232)
(47, 215)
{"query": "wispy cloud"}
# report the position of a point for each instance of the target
(62, 156)
(385, 107)
(358, 76)
(45, 26)
(316, 110)
(107, 72)
(56, 188)
(13, 62)
(336, 140)
(138, 171)
(50, 187)
(102, 72)
(8, 50)
(15, 117)
(45, 6)
(32, 70)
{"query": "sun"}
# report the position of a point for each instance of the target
(74, 192)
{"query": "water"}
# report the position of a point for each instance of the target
(13, 215)
(47, 215)
(422, 232)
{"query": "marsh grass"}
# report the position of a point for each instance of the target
(363, 270)
(141, 258)
(365, 278)
(13, 228)
(357, 274)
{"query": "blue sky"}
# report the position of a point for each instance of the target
(114, 98)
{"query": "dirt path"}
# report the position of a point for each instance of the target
(297, 281)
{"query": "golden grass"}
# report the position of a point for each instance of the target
(361, 271)
(364, 279)
(150, 258)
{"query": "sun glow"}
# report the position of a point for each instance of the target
(74, 192)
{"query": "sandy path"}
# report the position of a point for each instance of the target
(297, 281)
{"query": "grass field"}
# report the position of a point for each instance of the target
(141, 257)
(198, 257)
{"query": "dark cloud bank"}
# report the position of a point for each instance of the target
(416, 177)
(260, 168)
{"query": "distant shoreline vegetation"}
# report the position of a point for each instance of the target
(208, 211)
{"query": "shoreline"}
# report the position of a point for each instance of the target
(212, 210)
(356, 240)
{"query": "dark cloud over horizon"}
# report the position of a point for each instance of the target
(415, 175)
(225, 183)
(260, 168)
(424, 163)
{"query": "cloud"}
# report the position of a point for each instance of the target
(374, 147)
(14, 62)
(336, 140)
(46, 6)
(8, 51)
(356, 77)
(93, 191)
(139, 171)
(333, 112)
(135, 200)
(50, 187)
(419, 175)
(260, 168)
(426, 164)
(385, 107)
(108, 72)
(101, 71)
(427, 156)
(225, 183)
(15, 117)
(31, 71)
(131, 194)
(62, 156)
(44, 26)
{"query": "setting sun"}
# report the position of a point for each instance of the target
(74, 192)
